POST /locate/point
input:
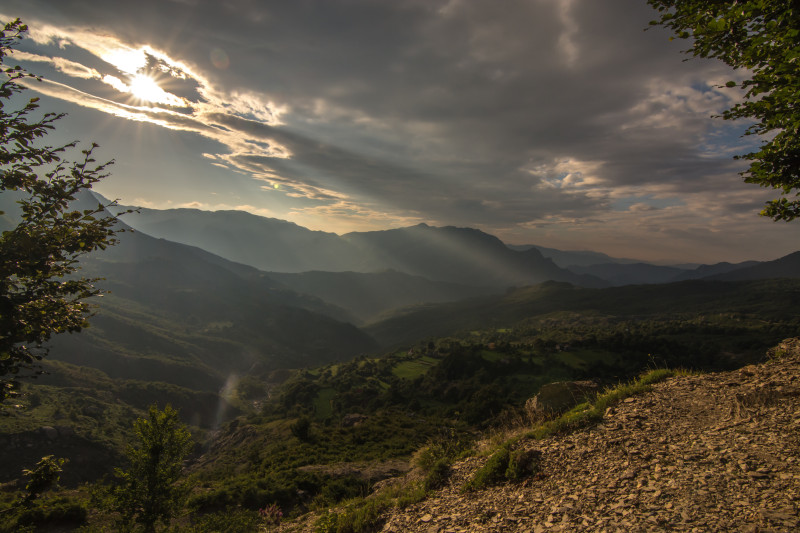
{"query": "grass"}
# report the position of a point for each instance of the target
(366, 514)
(322, 404)
(413, 369)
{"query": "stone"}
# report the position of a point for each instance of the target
(560, 396)
(353, 419)
(49, 431)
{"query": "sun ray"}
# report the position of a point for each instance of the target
(147, 89)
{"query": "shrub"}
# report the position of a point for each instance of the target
(437, 475)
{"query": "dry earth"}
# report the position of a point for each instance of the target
(713, 452)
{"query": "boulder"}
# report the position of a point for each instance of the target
(560, 396)
(353, 419)
(49, 431)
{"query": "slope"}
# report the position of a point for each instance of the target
(368, 295)
(697, 453)
(184, 316)
(772, 298)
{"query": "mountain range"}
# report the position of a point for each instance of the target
(198, 296)
(463, 256)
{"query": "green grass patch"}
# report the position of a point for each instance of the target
(322, 404)
(413, 369)
(507, 463)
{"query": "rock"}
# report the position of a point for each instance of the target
(560, 396)
(49, 431)
(353, 419)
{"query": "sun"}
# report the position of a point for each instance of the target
(145, 88)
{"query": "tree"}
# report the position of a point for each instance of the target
(149, 491)
(762, 36)
(39, 293)
(45, 475)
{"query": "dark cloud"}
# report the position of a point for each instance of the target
(510, 115)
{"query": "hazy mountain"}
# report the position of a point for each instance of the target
(185, 307)
(455, 255)
(180, 314)
(458, 255)
(367, 295)
(630, 274)
(265, 243)
(566, 259)
(704, 271)
(785, 267)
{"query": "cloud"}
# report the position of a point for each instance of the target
(532, 119)
(70, 68)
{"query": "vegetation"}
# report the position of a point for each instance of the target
(287, 441)
(38, 295)
(41, 478)
(509, 462)
(763, 37)
(149, 492)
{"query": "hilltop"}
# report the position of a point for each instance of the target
(713, 451)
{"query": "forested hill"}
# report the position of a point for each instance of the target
(767, 298)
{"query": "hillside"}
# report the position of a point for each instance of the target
(457, 255)
(767, 299)
(368, 295)
(193, 318)
(182, 315)
(695, 453)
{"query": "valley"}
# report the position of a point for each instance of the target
(308, 388)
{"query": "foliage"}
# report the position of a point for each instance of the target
(49, 514)
(228, 521)
(42, 477)
(38, 295)
(149, 491)
(271, 515)
(302, 428)
(23, 512)
(493, 471)
(762, 36)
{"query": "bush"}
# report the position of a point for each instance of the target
(228, 521)
(58, 512)
(437, 475)
(494, 471)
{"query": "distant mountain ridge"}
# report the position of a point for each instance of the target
(448, 254)
(566, 259)
(464, 256)
(784, 267)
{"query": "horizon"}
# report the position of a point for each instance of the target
(559, 124)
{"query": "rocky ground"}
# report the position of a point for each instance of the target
(713, 452)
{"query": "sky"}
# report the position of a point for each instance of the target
(561, 123)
